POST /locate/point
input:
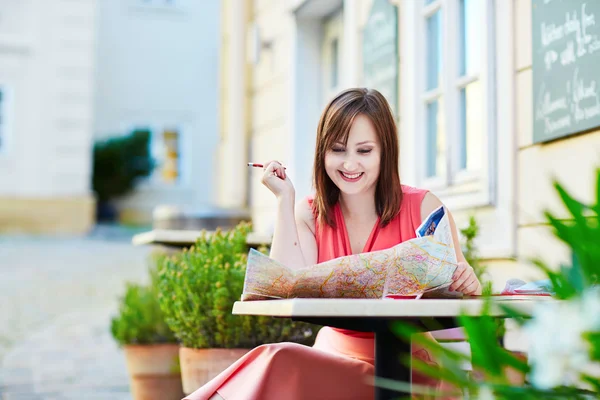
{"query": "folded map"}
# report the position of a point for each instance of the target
(414, 267)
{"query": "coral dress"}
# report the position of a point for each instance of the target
(340, 365)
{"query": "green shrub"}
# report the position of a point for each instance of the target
(471, 253)
(140, 319)
(199, 286)
(470, 250)
(119, 162)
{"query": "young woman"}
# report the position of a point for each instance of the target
(359, 206)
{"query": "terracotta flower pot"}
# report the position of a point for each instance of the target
(154, 371)
(199, 366)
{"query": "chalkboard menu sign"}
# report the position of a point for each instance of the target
(380, 51)
(566, 67)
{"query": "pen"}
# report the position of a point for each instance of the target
(257, 165)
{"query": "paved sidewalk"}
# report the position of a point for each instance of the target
(58, 295)
(72, 358)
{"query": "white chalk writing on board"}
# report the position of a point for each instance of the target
(563, 44)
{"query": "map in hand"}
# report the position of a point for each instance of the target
(413, 267)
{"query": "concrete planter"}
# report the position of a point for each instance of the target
(154, 371)
(199, 366)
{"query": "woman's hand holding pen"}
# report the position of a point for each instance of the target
(275, 178)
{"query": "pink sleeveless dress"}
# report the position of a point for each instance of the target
(340, 365)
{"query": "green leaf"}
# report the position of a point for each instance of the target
(574, 275)
(140, 319)
(596, 207)
(592, 380)
(481, 333)
(414, 389)
(519, 317)
(448, 371)
(594, 340)
(576, 208)
(562, 287)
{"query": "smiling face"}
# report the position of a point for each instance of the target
(354, 166)
(357, 152)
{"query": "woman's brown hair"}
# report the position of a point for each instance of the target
(334, 126)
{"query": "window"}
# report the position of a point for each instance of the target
(4, 118)
(335, 53)
(456, 94)
(331, 51)
(166, 151)
(165, 148)
(433, 98)
(457, 74)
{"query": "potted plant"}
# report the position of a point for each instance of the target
(471, 253)
(150, 347)
(197, 290)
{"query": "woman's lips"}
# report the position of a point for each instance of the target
(351, 177)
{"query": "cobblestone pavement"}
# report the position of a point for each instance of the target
(57, 296)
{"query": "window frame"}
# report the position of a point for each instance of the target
(493, 200)
(5, 118)
(154, 180)
(458, 188)
(333, 32)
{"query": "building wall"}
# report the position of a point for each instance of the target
(235, 92)
(513, 229)
(572, 161)
(285, 88)
(270, 110)
(158, 67)
(47, 63)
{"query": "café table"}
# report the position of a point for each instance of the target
(179, 239)
(378, 315)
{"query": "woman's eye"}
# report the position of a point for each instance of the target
(364, 151)
(338, 149)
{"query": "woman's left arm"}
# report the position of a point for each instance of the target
(464, 278)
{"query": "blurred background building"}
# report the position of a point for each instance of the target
(493, 99)
(75, 72)
(47, 62)
(157, 68)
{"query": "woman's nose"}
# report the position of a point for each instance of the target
(349, 166)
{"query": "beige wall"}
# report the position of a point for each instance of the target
(572, 161)
(234, 103)
(54, 215)
(270, 94)
(47, 60)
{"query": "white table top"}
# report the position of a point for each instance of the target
(378, 307)
(186, 237)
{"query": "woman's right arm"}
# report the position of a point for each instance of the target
(294, 243)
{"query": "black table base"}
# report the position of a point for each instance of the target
(388, 362)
